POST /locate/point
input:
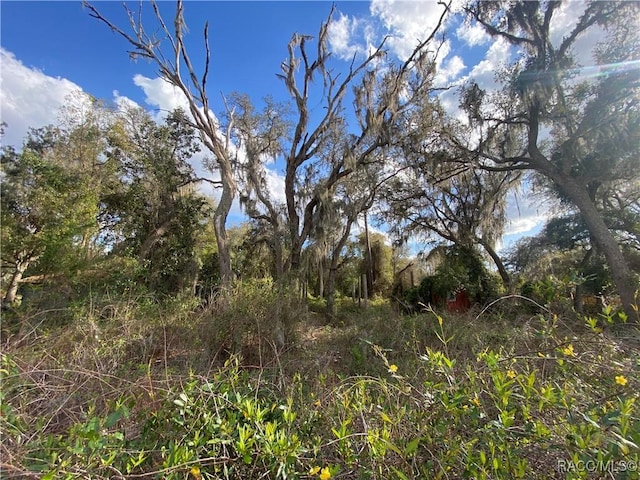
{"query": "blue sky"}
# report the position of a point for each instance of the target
(248, 40)
(51, 49)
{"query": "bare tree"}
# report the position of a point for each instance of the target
(320, 155)
(175, 66)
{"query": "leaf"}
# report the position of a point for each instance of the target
(400, 475)
(412, 446)
(385, 417)
(625, 444)
(112, 419)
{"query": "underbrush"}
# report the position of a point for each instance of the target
(134, 391)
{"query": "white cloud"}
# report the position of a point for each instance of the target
(165, 97)
(525, 214)
(341, 37)
(161, 94)
(407, 22)
(29, 97)
(522, 225)
(275, 181)
(123, 103)
(449, 70)
(525, 217)
(564, 20)
(485, 71)
(472, 34)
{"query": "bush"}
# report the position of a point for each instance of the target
(254, 318)
(533, 400)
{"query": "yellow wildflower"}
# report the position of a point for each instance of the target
(325, 474)
(621, 380)
(392, 369)
(195, 472)
(511, 374)
(568, 351)
(314, 471)
(476, 401)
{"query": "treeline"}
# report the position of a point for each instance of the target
(110, 197)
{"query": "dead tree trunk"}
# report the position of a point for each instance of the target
(194, 87)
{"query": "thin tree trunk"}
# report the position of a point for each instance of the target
(365, 292)
(278, 257)
(331, 284)
(219, 225)
(320, 279)
(12, 289)
(578, 301)
(504, 275)
(333, 268)
(331, 293)
(368, 260)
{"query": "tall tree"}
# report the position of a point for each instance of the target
(175, 67)
(566, 237)
(464, 207)
(158, 211)
(44, 208)
(77, 144)
(592, 120)
(319, 154)
(337, 214)
(261, 137)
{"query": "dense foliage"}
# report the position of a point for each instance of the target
(429, 396)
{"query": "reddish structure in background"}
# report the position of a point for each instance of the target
(458, 302)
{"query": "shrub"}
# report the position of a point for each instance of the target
(255, 318)
(539, 400)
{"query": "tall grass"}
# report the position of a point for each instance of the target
(133, 388)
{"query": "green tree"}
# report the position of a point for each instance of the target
(565, 249)
(176, 67)
(159, 212)
(336, 215)
(454, 267)
(45, 208)
(593, 121)
(261, 137)
(464, 207)
(381, 266)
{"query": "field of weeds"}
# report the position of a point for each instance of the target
(132, 389)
